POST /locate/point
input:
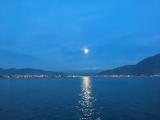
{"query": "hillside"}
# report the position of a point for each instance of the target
(26, 71)
(148, 66)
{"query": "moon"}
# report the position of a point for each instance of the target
(86, 50)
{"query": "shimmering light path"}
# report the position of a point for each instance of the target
(87, 110)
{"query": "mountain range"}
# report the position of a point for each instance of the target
(148, 66)
(27, 71)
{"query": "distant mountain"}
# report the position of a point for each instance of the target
(148, 66)
(26, 71)
(81, 72)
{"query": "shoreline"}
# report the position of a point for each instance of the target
(74, 76)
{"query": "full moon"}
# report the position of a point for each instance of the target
(85, 50)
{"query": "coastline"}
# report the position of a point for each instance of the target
(74, 76)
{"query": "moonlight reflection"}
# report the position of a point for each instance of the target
(87, 100)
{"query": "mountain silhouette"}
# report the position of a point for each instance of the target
(148, 66)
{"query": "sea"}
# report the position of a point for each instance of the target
(80, 98)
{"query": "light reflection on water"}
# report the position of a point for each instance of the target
(87, 100)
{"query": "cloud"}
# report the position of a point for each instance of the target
(148, 41)
(17, 59)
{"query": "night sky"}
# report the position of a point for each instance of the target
(51, 34)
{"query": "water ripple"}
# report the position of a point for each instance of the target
(87, 100)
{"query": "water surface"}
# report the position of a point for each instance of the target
(80, 99)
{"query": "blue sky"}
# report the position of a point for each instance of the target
(50, 34)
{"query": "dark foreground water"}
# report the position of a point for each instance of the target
(80, 99)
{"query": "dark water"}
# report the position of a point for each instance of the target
(80, 99)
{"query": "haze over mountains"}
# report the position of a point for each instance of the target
(148, 66)
(27, 71)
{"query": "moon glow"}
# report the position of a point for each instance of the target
(85, 50)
